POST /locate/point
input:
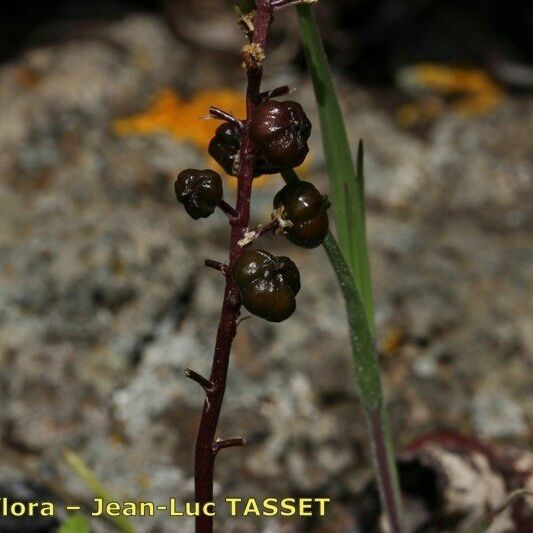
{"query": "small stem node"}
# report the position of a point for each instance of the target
(207, 385)
(220, 444)
(228, 210)
(251, 236)
(217, 265)
(278, 91)
(216, 113)
(242, 319)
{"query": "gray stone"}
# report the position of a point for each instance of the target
(496, 415)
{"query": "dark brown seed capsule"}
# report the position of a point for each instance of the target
(306, 208)
(200, 191)
(268, 284)
(224, 148)
(281, 131)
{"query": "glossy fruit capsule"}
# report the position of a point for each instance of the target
(281, 131)
(200, 191)
(306, 208)
(224, 148)
(268, 284)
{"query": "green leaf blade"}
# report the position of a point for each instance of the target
(347, 183)
(77, 523)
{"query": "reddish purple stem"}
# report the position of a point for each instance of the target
(227, 327)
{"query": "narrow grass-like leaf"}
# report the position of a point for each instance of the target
(350, 261)
(363, 349)
(367, 371)
(76, 523)
(368, 379)
(347, 185)
(97, 488)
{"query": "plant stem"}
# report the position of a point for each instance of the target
(206, 446)
(368, 380)
(370, 388)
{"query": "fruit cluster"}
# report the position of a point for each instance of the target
(267, 284)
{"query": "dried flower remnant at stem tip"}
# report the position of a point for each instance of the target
(252, 56)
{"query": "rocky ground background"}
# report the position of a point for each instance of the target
(104, 301)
